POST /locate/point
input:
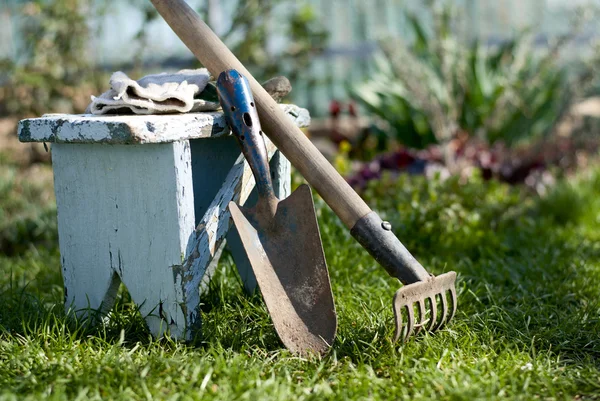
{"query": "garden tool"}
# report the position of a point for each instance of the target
(281, 238)
(422, 290)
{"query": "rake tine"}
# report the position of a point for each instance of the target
(433, 317)
(410, 324)
(419, 293)
(444, 311)
(422, 316)
(454, 300)
(398, 320)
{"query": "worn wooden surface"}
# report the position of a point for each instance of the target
(130, 129)
(211, 163)
(208, 237)
(125, 213)
(153, 216)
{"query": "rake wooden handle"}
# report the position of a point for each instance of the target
(214, 55)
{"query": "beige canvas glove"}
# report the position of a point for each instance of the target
(154, 94)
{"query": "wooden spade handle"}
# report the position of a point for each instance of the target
(288, 138)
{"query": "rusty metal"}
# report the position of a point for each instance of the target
(419, 295)
(281, 238)
(421, 289)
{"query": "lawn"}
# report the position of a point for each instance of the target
(527, 327)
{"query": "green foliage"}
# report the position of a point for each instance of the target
(446, 215)
(253, 24)
(27, 213)
(527, 325)
(256, 22)
(438, 86)
(55, 70)
(575, 201)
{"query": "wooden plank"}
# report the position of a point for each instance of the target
(211, 163)
(125, 212)
(135, 129)
(206, 240)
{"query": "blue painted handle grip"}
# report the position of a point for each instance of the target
(240, 112)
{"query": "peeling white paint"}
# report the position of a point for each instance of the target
(134, 129)
(126, 211)
(211, 232)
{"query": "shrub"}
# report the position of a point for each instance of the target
(438, 87)
(56, 69)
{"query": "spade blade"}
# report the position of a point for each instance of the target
(287, 258)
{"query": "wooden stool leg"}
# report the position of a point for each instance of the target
(211, 163)
(212, 229)
(88, 289)
(125, 211)
(281, 171)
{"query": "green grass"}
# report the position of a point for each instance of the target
(527, 327)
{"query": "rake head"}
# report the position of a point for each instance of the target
(416, 295)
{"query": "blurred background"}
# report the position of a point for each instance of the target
(335, 41)
(498, 89)
(323, 45)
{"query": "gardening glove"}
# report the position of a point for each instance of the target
(155, 94)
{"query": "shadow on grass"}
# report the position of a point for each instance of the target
(28, 313)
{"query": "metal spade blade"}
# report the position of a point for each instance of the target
(281, 238)
(287, 258)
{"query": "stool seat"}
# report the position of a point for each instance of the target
(135, 129)
(142, 200)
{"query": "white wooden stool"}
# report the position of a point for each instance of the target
(143, 200)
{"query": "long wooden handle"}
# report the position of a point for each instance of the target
(288, 138)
